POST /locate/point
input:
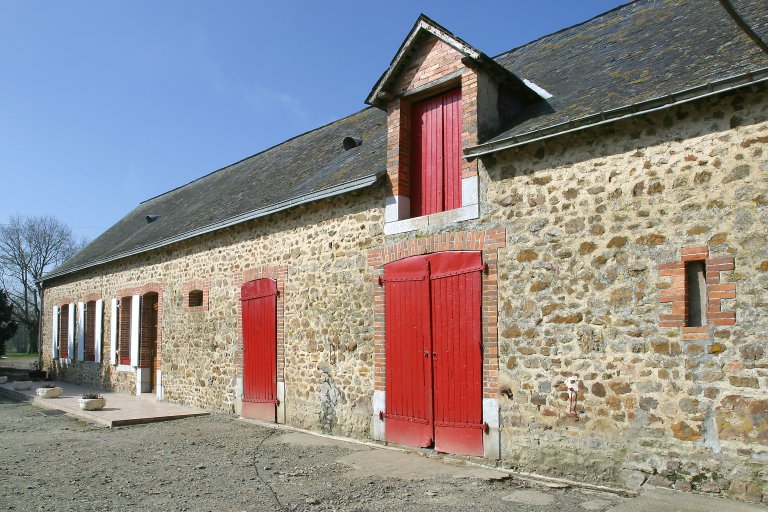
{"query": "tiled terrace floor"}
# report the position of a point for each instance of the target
(121, 408)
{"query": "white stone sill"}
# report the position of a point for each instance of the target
(435, 220)
(126, 368)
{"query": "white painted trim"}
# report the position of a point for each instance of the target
(491, 438)
(65, 361)
(435, 220)
(469, 191)
(135, 313)
(97, 331)
(238, 399)
(543, 93)
(55, 337)
(113, 332)
(378, 427)
(80, 331)
(71, 331)
(159, 384)
(126, 368)
(143, 383)
(397, 208)
(280, 417)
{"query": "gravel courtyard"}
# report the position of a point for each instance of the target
(54, 462)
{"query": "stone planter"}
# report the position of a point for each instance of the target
(48, 392)
(92, 404)
(21, 385)
(3, 379)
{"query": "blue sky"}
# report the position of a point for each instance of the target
(104, 104)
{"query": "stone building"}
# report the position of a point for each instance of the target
(555, 259)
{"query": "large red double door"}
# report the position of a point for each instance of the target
(434, 353)
(259, 309)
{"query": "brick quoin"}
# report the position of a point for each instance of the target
(488, 242)
(279, 275)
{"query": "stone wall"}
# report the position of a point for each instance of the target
(328, 311)
(590, 219)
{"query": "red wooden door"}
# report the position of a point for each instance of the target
(436, 150)
(456, 352)
(259, 310)
(408, 353)
(433, 352)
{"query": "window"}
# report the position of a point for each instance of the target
(195, 298)
(695, 294)
(195, 295)
(64, 332)
(124, 331)
(436, 154)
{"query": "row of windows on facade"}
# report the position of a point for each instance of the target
(84, 322)
(88, 328)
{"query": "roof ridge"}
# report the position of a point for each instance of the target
(618, 7)
(256, 154)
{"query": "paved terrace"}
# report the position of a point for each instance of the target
(121, 409)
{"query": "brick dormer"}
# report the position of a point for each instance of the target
(441, 95)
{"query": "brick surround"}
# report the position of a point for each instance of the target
(489, 242)
(676, 293)
(124, 329)
(279, 275)
(204, 285)
(433, 62)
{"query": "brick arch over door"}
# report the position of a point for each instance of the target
(488, 243)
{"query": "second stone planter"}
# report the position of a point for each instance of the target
(48, 392)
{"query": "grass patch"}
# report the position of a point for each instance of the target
(19, 355)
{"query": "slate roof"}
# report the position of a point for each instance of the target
(637, 52)
(302, 169)
(640, 51)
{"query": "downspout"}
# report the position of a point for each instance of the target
(39, 285)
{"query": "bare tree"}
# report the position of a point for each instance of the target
(30, 246)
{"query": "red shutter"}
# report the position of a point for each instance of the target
(457, 356)
(259, 310)
(452, 150)
(90, 327)
(436, 154)
(124, 338)
(64, 331)
(408, 352)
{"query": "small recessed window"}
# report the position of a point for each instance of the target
(696, 294)
(195, 298)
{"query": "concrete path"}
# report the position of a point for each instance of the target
(372, 461)
(665, 500)
(121, 409)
